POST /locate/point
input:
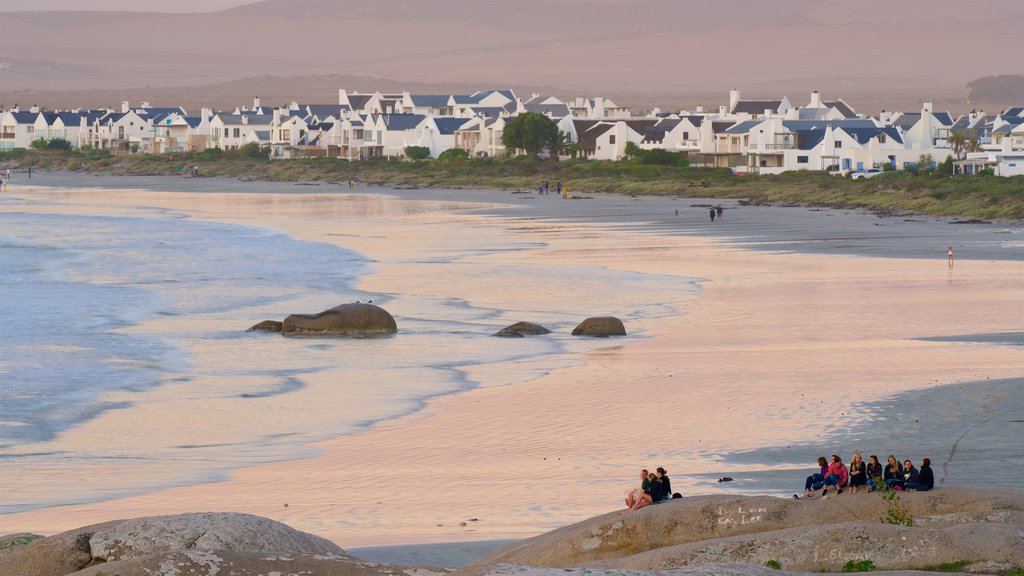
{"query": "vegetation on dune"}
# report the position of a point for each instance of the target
(931, 192)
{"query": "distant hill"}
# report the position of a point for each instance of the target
(997, 89)
(643, 47)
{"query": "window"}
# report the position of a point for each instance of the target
(225, 132)
(611, 139)
(881, 137)
(238, 132)
(686, 135)
(839, 143)
(30, 129)
(801, 159)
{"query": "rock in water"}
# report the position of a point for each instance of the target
(354, 320)
(521, 329)
(600, 326)
(266, 326)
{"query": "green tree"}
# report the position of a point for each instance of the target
(530, 132)
(417, 152)
(924, 163)
(632, 150)
(973, 145)
(957, 143)
(558, 144)
(39, 144)
(58, 144)
(453, 154)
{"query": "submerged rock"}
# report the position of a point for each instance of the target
(522, 329)
(600, 326)
(354, 320)
(266, 326)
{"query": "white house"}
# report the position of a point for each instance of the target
(231, 131)
(17, 129)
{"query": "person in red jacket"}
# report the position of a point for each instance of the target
(837, 475)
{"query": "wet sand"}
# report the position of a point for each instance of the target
(776, 349)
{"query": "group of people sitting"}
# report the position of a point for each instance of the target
(654, 487)
(870, 476)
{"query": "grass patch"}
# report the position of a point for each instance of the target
(977, 197)
(860, 566)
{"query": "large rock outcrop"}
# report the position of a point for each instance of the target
(266, 326)
(600, 326)
(949, 525)
(355, 320)
(207, 543)
(521, 330)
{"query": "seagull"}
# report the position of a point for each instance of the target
(370, 301)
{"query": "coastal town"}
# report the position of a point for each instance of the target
(748, 136)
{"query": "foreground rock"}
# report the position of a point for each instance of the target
(354, 320)
(600, 326)
(208, 543)
(950, 525)
(266, 326)
(521, 330)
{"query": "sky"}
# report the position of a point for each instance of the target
(128, 5)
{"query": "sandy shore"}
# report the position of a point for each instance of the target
(775, 349)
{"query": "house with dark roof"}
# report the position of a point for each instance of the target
(232, 131)
(756, 108)
(599, 107)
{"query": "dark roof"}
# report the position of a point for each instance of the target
(756, 106)
(322, 111)
(719, 127)
(843, 108)
(25, 117)
(864, 135)
(822, 124)
(695, 120)
(808, 139)
(557, 110)
(743, 127)
(359, 100)
(489, 111)
(588, 137)
(944, 118)
(433, 100)
(400, 122)
(449, 125)
(1015, 111)
(907, 120)
(193, 121)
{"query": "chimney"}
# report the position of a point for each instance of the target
(815, 100)
(768, 112)
(145, 104)
(34, 109)
(734, 98)
(342, 97)
(700, 109)
(927, 109)
(125, 106)
(722, 111)
(206, 113)
(255, 102)
(245, 119)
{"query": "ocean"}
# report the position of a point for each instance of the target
(125, 365)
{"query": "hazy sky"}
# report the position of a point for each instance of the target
(129, 5)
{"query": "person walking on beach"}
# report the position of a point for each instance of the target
(712, 214)
(558, 188)
(719, 212)
(949, 256)
(565, 192)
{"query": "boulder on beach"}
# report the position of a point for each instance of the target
(202, 543)
(600, 326)
(266, 326)
(522, 329)
(354, 320)
(807, 534)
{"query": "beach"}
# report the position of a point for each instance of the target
(754, 345)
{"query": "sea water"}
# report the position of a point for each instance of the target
(125, 365)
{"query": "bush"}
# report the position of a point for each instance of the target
(862, 566)
(417, 152)
(773, 564)
(58, 144)
(39, 144)
(453, 154)
(659, 157)
(895, 512)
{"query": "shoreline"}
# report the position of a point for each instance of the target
(647, 264)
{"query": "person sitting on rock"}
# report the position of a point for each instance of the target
(858, 472)
(893, 474)
(815, 481)
(645, 498)
(666, 484)
(657, 489)
(634, 494)
(909, 473)
(837, 476)
(874, 474)
(925, 478)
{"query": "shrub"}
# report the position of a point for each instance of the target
(453, 154)
(58, 144)
(417, 152)
(862, 566)
(39, 144)
(895, 512)
(773, 564)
